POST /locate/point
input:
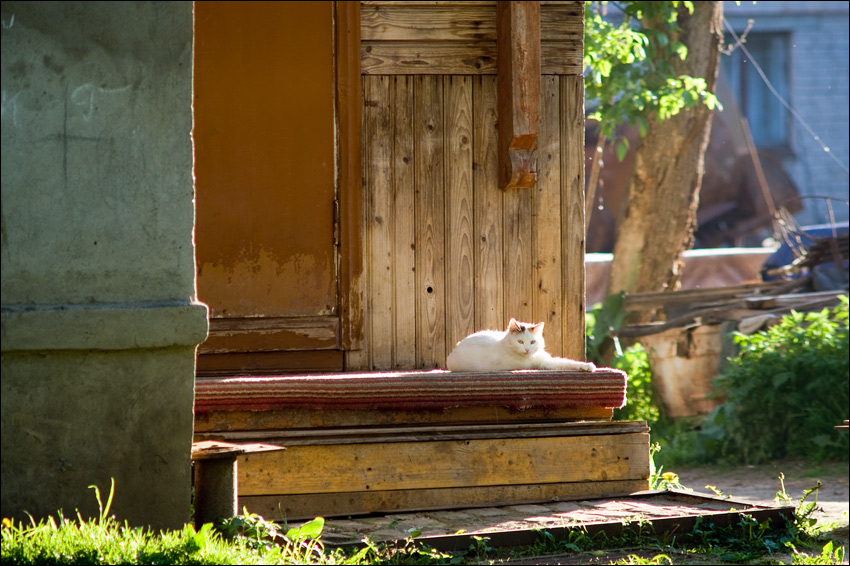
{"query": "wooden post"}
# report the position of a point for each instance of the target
(518, 91)
(216, 478)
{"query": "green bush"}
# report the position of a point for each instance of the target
(640, 398)
(785, 391)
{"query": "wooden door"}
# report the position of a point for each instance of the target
(266, 232)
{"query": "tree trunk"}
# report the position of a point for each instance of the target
(659, 216)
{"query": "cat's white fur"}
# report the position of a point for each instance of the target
(521, 346)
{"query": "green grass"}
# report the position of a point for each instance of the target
(250, 539)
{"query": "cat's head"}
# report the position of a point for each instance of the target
(523, 338)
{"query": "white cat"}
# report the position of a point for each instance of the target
(521, 346)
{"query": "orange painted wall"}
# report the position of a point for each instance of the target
(264, 158)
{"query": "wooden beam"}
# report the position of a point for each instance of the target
(349, 100)
(518, 88)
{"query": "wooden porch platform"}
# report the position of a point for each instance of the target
(391, 442)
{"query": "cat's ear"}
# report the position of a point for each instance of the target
(537, 328)
(513, 326)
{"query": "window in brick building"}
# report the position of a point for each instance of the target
(769, 120)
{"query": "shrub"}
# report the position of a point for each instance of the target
(785, 391)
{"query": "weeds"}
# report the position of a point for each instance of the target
(251, 539)
(783, 392)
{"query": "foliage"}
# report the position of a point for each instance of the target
(104, 541)
(250, 539)
(785, 391)
(630, 75)
(641, 403)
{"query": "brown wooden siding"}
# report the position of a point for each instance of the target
(446, 251)
(453, 38)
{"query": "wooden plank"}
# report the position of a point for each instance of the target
(487, 209)
(562, 58)
(413, 58)
(422, 433)
(646, 301)
(572, 215)
(309, 418)
(430, 221)
(378, 132)
(518, 260)
(461, 22)
(307, 506)
(404, 220)
(518, 86)
(350, 188)
(383, 58)
(215, 450)
(269, 363)
(359, 359)
(443, 464)
(271, 334)
(460, 300)
(546, 213)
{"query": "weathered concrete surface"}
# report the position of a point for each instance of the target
(79, 418)
(99, 318)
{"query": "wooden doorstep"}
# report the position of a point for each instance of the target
(424, 432)
(444, 464)
(231, 421)
(298, 507)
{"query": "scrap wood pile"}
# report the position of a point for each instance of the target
(752, 305)
(810, 271)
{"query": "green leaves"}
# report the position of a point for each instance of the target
(629, 73)
(786, 390)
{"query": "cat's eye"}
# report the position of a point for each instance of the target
(534, 341)
(520, 341)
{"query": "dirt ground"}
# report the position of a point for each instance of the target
(752, 484)
(761, 483)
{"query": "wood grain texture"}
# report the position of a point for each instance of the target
(460, 281)
(467, 256)
(487, 209)
(546, 211)
(572, 215)
(216, 421)
(379, 169)
(518, 87)
(404, 223)
(429, 159)
(308, 506)
(444, 464)
(461, 22)
(460, 38)
(414, 58)
(235, 335)
(350, 188)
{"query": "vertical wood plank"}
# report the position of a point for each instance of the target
(459, 216)
(547, 220)
(518, 66)
(572, 214)
(487, 208)
(360, 359)
(379, 129)
(349, 179)
(404, 221)
(430, 221)
(518, 263)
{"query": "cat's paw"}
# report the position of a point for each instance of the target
(587, 367)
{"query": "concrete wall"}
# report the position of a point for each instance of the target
(99, 318)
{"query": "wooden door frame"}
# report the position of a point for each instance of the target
(349, 177)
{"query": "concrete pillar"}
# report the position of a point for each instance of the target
(100, 322)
